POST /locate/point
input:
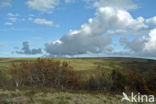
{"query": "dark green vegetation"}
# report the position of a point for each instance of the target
(77, 76)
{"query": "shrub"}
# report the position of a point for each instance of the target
(136, 82)
(119, 80)
(92, 84)
(141, 82)
(150, 80)
(44, 73)
(101, 81)
(3, 79)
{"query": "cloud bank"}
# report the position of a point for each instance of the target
(137, 36)
(144, 47)
(112, 17)
(151, 21)
(26, 50)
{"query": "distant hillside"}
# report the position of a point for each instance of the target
(89, 65)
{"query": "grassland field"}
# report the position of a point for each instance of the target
(90, 64)
(84, 67)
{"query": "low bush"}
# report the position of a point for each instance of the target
(150, 79)
(4, 80)
(101, 81)
(119, 81)
(141, 82)
(44, 73)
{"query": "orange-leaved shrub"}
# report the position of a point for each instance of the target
(44, 73)
(141, 82)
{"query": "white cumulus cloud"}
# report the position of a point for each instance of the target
(150, 45)
(152, 21)
(144, 46)
(94, 36)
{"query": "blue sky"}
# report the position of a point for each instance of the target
(56, 28)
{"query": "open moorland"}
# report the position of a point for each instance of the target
(84, 81)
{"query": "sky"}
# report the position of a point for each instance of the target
(78, 28)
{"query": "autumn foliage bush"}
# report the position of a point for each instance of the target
(44, 73)
(141, 82)
(119, 81)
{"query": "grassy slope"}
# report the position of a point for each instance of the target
(90, 64)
